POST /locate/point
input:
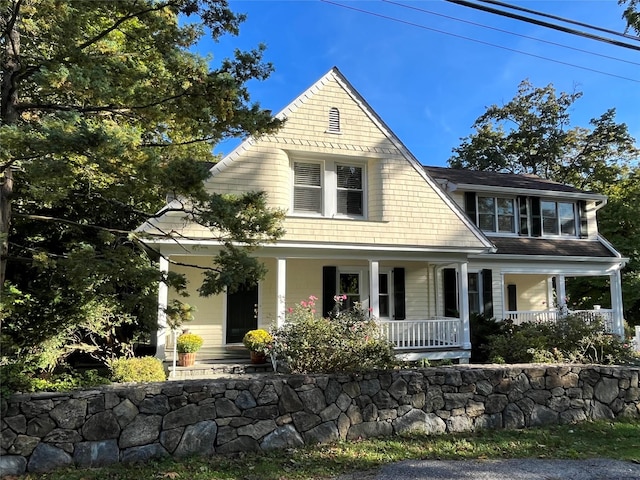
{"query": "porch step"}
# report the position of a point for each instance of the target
(217, 369)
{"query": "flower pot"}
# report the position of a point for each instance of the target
(186, 359)
(258, 358)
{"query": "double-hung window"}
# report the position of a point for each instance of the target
(350, 192)
(496, 214)
(329, 189)
(307, 187)
(558, 218)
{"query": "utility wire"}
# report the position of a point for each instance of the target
(510, 33)
(541, 23)
(393, 19)
(565, 20)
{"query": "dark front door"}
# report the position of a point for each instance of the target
(242, 312)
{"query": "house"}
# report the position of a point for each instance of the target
(420, 247)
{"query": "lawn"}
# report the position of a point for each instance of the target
(619, 440)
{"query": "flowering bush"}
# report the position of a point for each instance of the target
(347, 341)
(258, 341)
(189, 343)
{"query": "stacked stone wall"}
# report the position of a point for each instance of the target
(133, 423)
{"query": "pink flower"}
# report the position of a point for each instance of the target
(303, 303)
(290, 310)
(370, 309)
(313, 298)
(313, 311)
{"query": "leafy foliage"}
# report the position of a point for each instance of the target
(570, 339)
(259, 341)
(105, 113)
(137, 369)
(631, 14)
(532, 134)
(347, 341)
(189, 343)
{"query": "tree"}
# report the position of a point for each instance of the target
(104, 113)
(532, 134)
(631, 14)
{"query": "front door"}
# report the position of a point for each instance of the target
(242, 313)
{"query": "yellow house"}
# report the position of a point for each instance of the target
(364, 218)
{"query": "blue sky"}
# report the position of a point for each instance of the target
(430, 86)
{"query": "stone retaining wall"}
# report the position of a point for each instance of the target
(132, 423)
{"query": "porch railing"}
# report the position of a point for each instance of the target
(588, 316)
(438, 332)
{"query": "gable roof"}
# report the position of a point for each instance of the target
(552, 247)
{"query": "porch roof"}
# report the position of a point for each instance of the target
(551, 247)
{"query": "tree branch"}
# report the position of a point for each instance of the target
(45, 218)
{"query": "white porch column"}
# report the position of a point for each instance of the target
(463, 301)
(374, 288)
(163, 298)
(561, 293)
(281, 290)
(615, 284)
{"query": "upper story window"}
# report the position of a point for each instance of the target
(334, 120)
(527, 216)
(496, 214)
(328, 188)
(350, 191)
(558, 218)
(307, 187)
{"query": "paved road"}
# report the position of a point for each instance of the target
(512, 469)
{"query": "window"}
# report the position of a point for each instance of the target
(384, 300)
(349, 285)
(474, 292)
(350, 191)
(307, 187)
(558, 218)
(334, 120)
(496, 214)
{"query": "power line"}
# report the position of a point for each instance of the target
(565, 20)
(541, 23)
(393, 19)
(511, 33)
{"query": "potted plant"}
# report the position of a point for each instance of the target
(187, 345)
(258, 342)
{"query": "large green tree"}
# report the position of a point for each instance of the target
(631, 13)
(105, 112)
(532, 134)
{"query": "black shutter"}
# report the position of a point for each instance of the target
(470, 206)
(512, 298)
(584, 224)
(450, 292)
(329, 275)
(536, 217)
(399, 308)
(487, 293)
(524, 216)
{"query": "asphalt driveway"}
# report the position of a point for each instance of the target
(511, 469)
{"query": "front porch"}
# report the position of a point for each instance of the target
(606, 316)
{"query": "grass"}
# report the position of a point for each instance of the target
(619, 440)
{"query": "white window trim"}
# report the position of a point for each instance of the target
(516, 215)
(576, 219)
(363, 281)
(329, 184)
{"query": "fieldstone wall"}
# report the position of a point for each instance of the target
(132, 423)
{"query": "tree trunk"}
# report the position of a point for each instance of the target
(8, 116)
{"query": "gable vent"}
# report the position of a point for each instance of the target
(334, 120)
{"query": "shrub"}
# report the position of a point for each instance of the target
(482, 328)
(16, 377)
(571, 339)
(348, 341)
(259, 341)
(137, 369)
(189, 343)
